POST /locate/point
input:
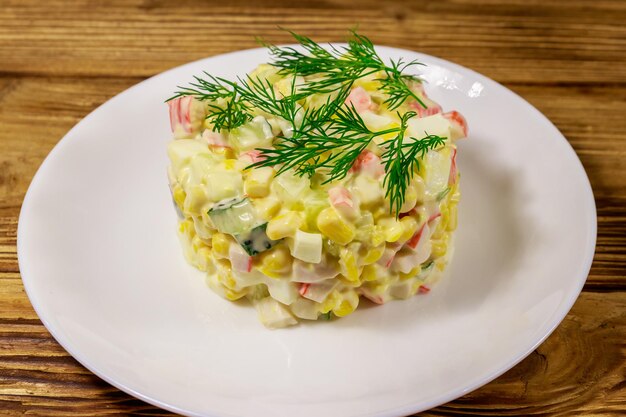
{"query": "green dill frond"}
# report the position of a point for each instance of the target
(328, 138)
(401, 160)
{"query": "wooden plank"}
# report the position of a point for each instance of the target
(579, 370)
(511, 41)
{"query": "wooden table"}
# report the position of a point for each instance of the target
(60, 59)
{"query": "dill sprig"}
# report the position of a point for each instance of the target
(336, 67)
(227, 108)
(401, 160)
(332, 150)
(327, 138)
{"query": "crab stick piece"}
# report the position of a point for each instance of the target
(360, 99)
(341, 199)
(458, 124)
(368, 162)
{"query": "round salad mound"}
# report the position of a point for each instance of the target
(304, 223)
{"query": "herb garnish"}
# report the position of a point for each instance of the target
(327, 138)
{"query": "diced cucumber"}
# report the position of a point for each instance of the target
(427, 268)
(255, 134)
(255, 241)
(233, 215)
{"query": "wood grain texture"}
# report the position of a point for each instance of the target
(578, 371)
(59, 60)
(512, 41)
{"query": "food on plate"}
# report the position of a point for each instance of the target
(321, 178)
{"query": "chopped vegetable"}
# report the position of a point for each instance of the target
(255, 241)
(233, 215)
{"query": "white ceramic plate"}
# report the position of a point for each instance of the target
(103, 268)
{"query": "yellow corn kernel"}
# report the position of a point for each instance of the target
(333, 226)
(275, 262)
(197, 243)
(370, 82)
(257, 183)
(369, 273)
(347, 263)
(229, 164)
(452, 218)
(220, 244)
(349, 303)
(204, 259)
(392, 228)
(194, 200)
(378, 236)
(267, 207)
(225, 278)
(332, 301)
(380, 287)
(373, 255)
(233, 295)
(179, 196)
(411, 274)
(227, 153)
(441, 264)
(186, 227)
(409, 228)
(414, 194)
(440, 247)
(284, 225)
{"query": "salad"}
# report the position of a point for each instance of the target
(321, 178)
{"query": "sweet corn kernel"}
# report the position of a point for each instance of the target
(233, 295)
(417, 184)
(369, 273)
(227, 153)
(179, 196)
(440, 247)
(205, 259)
(440, 264)
(452, 219)
(186, 227)
(257, 183)
(220, 244)
(331, 302)
(392, 228)
(409, 228)
(284, 225)
(276, 262)
(267, 207)
(381, 287)
(411, 274)
(333, 226)
(347, 263)
(373, 255)
(378, 236)
(197, 243)
(349, 303)
(226, 279)
(370, 82)
(229, 164)
(194, 200)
